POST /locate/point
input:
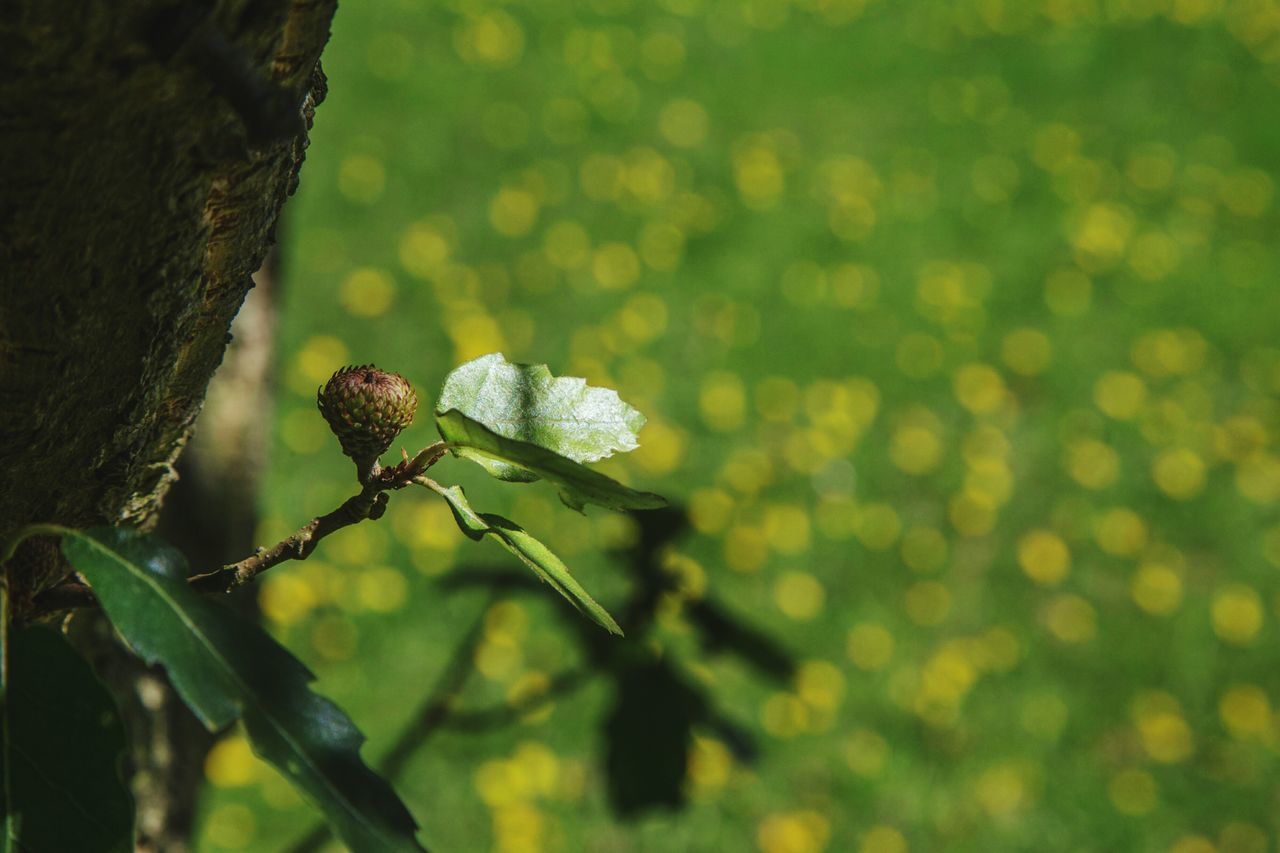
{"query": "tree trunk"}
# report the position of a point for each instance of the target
(146, 149)
(145, 152)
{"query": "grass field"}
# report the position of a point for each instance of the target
(957, 326)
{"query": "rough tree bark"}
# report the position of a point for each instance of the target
(143, 163)
(146, 148)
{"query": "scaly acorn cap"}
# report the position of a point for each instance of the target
(366, 408)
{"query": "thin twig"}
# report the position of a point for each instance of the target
(370, 504)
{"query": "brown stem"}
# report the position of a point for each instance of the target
(370, 504)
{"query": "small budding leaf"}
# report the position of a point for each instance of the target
(578, 485)
(531, 552)
(527, 403)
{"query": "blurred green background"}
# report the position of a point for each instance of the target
(956, 326)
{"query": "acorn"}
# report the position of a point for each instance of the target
(366, 408)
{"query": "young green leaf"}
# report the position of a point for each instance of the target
(578, 484)
(226, 667)
(63, 744)
(531, 552)
(525, 402)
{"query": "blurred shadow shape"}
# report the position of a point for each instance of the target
(647, 738)
(648, 731)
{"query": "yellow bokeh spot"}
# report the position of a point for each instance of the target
(722, 401)
(757, 171)
(928, 603)
(1193, 844)
(286, 597)
(785, 716)
(1248, 192)
(1092, 463)
(972, 513)
(748, 470)
(854, 285)
(1044, 557)
(567, 245)
(1258, 478)
(231, 825)
(1237, 614)
(424, 249)
(979, 388)
(1241, 837)
(924, 549)
(1246, 712)
(491, 39)
(426, 525)
(1120, 532)
(777, 399)
(361, 178)
(662, 246)
(1169, 352)
(882, 839)
(916, 445)
(615, 266)
(367, 292)
(710, 764)
(870, 646)
(1180, 473)
(683, 123)
(315, 362)
(793, 832)
(820, 685)
(799, 595)
(1156, 588)
(381, 589)
(1239, 438)
(1101, 234)
(1120, 394)
(786, 527)
(710, 510)
(662, 447)
(1133, 792)
(877, 526)
(513, 212)
(866, 753)
(498, 660)
(231, 763)
(1002, 790)
(1071, 619)
(1026, 351)
(1165, 735)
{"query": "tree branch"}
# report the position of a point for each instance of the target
(369, 504)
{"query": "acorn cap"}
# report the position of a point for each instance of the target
(366, 408)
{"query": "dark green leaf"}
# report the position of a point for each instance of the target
(63, 745)
(531, 552)
(226, 667)
(525, 402)
(578, 484)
